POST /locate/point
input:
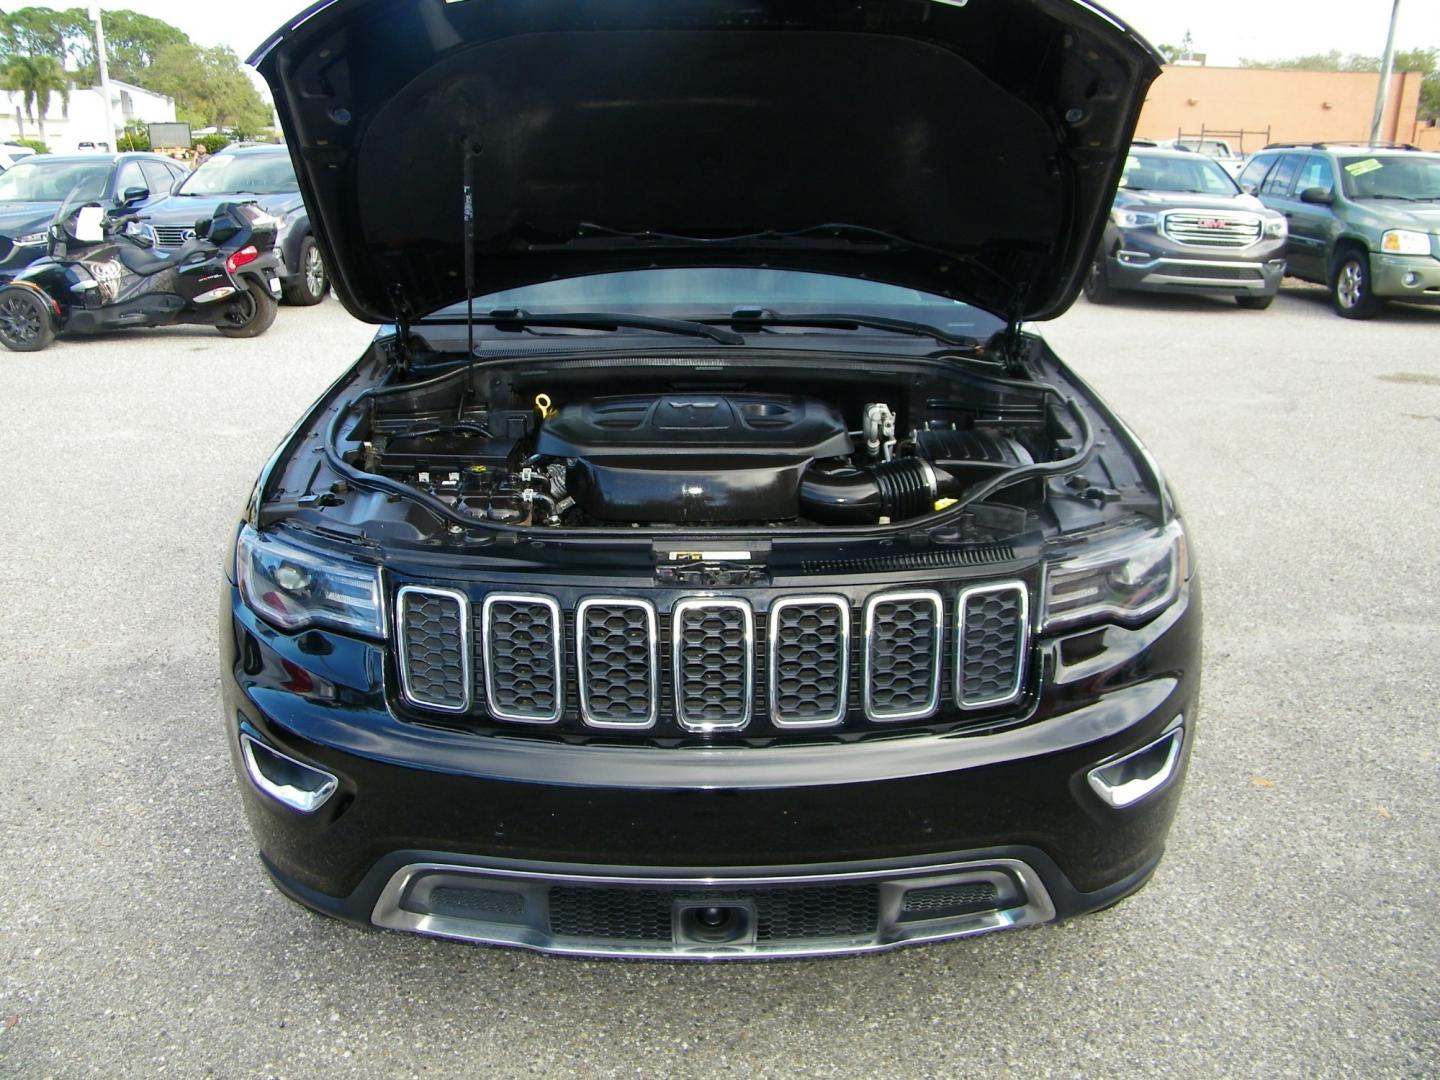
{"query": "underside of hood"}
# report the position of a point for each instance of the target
(968, 148)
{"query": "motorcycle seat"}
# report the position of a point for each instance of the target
(147, 262)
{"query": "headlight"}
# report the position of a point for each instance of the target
(1278, 228)
(1125, 579)
(1405, 242)
(1134, 219)
(32, 240)
(294, 588)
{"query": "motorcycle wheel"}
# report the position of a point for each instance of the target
(25, 322)
(251, 315)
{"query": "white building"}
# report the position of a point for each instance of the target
(84, 120)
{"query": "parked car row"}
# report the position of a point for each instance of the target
(167, 196)
(1362, 221)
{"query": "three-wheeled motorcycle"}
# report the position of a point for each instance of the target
(106, 272)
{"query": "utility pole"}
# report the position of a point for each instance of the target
(103, 63)
(1387, 68)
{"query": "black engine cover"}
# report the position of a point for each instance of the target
(690, 458)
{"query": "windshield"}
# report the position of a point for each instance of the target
(242, 174)
(1415, 178)
(698, 292)
(1196, 175)
(53, 181)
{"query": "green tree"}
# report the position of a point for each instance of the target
(1425, 61)
(132, 43)
(37, 79)
(209, 87)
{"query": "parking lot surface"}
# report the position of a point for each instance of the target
(1293, 930)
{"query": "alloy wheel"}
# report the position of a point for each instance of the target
(315, 279)
(19, 320)
(1350, 288)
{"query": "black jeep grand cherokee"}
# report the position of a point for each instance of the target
(734, 575)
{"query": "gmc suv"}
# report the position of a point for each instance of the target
(1364, 221)
(704, 561)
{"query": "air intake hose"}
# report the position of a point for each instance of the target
(895, 490)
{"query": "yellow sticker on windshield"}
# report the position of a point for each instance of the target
(1360, 168)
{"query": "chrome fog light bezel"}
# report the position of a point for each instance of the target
(1118, 794)
(301, 800)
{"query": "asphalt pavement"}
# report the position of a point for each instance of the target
(1292, 931)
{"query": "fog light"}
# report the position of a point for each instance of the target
(292, 783)
(1412, 280)
(1140, 774)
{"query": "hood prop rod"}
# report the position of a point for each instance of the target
(470, 150)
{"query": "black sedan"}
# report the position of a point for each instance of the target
(266, 175)
(33, 189)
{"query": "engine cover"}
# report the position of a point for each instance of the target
(691, 458)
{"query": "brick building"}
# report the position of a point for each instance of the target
(1292, 106)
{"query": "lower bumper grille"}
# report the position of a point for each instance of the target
(706, 917)
(781, 914)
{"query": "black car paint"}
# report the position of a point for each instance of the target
(415, 786)
(660, 147)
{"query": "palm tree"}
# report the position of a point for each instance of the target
(37, 79)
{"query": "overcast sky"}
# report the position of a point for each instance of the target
(1225, 29)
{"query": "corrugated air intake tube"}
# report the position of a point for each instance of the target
(893, 490)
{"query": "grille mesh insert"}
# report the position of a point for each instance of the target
(617, 663)
(808, 662)
(522, 678)
(433, 650)
(943, 900)
(781, 914)
(714, 664)
(902, 656)
(992, 632)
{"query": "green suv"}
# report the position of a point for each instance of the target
(1364, 221)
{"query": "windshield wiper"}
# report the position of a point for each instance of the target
(513, 319)
(743, 318)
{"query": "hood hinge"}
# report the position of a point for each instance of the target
(400, 351)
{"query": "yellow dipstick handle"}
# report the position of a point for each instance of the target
(545, 405)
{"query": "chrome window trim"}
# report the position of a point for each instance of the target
(653, 629)
(1022, 644)
(466, 665)
(557, 622)
(677, 660)
(841, 604)
(937, 656)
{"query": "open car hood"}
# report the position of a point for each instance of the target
(968, 148)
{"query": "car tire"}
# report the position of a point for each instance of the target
(1350, 293)
(313, 284)
(1254, 303)
(1098, 289)
(259, 317)
(26, 322)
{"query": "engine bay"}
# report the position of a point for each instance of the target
(655, 448)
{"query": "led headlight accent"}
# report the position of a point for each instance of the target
(1134, 219)
(295, 589)
(1126, 579)
(1405, 242)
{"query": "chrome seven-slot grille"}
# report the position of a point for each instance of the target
(1221, 229)
(713, 664)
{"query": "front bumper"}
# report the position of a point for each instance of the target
(467, 836)
(1414, 279)
(1146, 261)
